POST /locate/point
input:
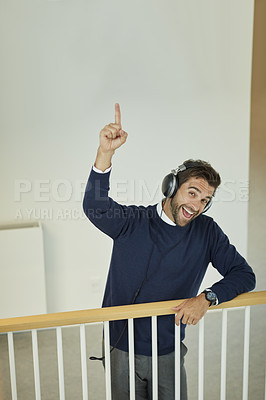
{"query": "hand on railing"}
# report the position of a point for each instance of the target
(191, 310)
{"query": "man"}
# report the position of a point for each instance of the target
(160, 252)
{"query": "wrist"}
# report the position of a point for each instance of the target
(103, 159)
(105, 153)
(204, 299)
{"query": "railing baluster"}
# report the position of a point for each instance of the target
(131, 359)
(154, 359)
(223, 354)
(246, 353)
(36, 364)
(265, 384)
(83, 354)
(60, 363)
(201, 360)
(12, 365)
(107, 360)
(177, 363)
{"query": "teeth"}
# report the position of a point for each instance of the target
(191, 213)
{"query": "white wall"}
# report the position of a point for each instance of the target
(181, 72)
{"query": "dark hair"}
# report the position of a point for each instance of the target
(199, 169)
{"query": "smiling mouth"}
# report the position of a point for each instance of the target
(186, 213)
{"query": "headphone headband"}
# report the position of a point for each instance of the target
(180, 168)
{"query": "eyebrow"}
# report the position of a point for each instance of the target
(199, 191)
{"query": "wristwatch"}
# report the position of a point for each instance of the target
(211, 296)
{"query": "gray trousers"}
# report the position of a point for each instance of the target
(143, 376)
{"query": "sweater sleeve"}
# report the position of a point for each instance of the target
(238, 275)
(107, 215)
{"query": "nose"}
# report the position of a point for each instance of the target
(197, 205)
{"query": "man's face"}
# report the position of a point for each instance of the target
(189, 201)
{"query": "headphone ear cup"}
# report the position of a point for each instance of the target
(170, 185)
(208, 206)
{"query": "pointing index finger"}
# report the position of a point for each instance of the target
(117, 114)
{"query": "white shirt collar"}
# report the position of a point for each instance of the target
(163, 216)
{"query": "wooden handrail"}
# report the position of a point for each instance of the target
(115, 313)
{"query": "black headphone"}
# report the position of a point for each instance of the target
(170, 183)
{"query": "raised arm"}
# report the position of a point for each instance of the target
(111, 138)
(106, 214)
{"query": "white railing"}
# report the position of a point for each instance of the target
(153, 310)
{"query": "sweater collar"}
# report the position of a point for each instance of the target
(163, 216)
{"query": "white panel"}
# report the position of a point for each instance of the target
(131, 358)
(154, 359)
(12, 365)
(60, 362)
(177, 362)
(223, 355)
(265, 384)
(36, 367)
(246, 353)
(84, 371)
(201, 361)
(107, 360)
(22, 275)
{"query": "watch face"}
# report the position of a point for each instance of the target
(211, 296)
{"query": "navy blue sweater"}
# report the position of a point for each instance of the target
(169, 261)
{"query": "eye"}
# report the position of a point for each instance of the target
(205, 201)
(191, 194)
